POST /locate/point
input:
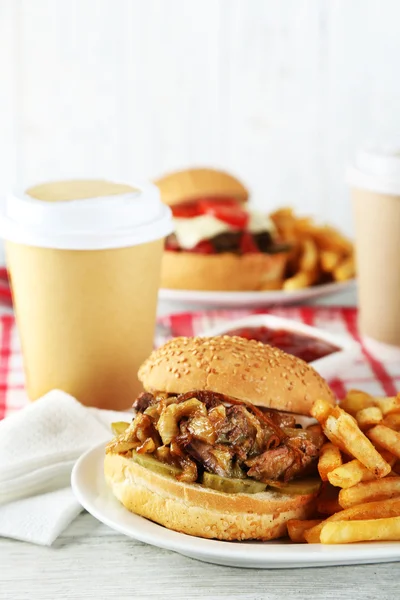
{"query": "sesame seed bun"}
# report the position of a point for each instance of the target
(196, 510)
(244, 369)
(190, 184)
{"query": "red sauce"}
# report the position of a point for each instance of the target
(304, 346)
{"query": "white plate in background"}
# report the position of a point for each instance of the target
(328, 366)
(266, 298)
(91, 491)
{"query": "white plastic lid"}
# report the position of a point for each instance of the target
(377, 169)
(114, 221)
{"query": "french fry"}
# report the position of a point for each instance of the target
(342, 429)
(389, 405)
(388, 456)
(347, 532)
(296, 529)
(353, 472)
(350, 474)
(305, 226)
(369, 416)
(333, 437)
(281, 214)
(301, 280)
(356, 400)
(317, 252)
(370, 510)
(329, 459)
(386, 437)
(329, 260)
(370, 491)
(392, 421)
(328, 238)
(320, 410)
(309, 255)
(345, 270)
(284, 221)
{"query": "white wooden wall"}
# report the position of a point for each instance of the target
(279, 91)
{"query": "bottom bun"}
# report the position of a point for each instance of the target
(199, 511)
(222, 272)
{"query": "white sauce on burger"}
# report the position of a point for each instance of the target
(189, 232)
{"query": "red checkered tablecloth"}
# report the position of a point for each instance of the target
(368, 372)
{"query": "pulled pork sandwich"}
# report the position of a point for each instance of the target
(218, 243)
(214, 449)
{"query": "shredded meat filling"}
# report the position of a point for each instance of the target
(207, 431)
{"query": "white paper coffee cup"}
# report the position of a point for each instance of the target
(375, 191)
(84, 260)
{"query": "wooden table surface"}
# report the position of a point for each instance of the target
(90, 560)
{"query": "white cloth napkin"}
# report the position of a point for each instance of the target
(38, 448)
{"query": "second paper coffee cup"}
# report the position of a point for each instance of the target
(375, 190)
(84, 259)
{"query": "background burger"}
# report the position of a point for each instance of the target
(218, 243)
(214, 450)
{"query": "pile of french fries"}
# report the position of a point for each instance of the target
(360, 470)
(320, 254)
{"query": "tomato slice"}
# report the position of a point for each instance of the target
(217, 201)
(203, 247)
(186, 210)
(227, 211)
(248, 245)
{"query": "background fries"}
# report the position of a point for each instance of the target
(356, 400)
(388, 406)
(360, 468)
(366, 417)
(319, 254)
(345, 270)
(302, 279)
(392, 421)
(329, 260)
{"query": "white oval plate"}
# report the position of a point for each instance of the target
(253, 298)
(328, 366)
(91, 491)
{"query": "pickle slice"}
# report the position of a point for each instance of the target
(298, 487)
(151, 463)
(231, 485)
(119, 427)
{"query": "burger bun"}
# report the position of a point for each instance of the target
(196, 510)
(243, 369)
(191, 184)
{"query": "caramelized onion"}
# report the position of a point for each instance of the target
(201, 428)
(170, 416)
(148, 446)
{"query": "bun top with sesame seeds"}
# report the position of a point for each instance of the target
(244, 369)
(190, 184)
